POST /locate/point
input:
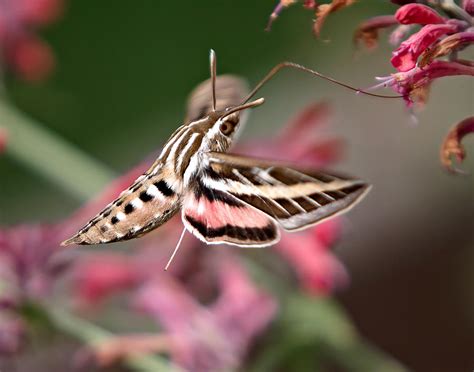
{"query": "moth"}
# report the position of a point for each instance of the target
(223, 198)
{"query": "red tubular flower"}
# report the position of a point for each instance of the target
(417, 13)
(21, 50)
(406, 56)
(413, 84)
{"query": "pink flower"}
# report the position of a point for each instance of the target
(12, 333)
(414, 84)
(210, 338)
(21, 50)
(308, 253)
(3, 140)
(101, 275)
(405, 57)
(238, 298)
(28, 271)
(417, 13)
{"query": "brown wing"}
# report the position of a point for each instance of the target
(144, 206)
(295, 198)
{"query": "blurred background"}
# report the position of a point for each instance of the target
(123, 74)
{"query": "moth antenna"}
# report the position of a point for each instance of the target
(212, 60)
(282, 65)
(175, 250)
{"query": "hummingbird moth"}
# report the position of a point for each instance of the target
(223, 198)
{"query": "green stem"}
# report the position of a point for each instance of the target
(47, 154)
(91, 334)
(451, 8)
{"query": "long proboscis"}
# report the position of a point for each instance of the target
(296, 66)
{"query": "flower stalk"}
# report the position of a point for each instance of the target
(50, 156)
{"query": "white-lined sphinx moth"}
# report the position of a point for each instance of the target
(224, 198)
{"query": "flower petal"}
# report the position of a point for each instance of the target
(324, 10)
(405, 57)
(446, 46)
(417, 13)
(414, 84)
(276, 12)
(452, 146)
(367, 31)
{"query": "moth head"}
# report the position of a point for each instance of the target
(225, 125)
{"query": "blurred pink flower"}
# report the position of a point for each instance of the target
(3, 140)
(27, 273)
(30, 262)
(98, 276)
(319, 271)
(20, 49)
(468, 6)
(417, 13)
(12, 333)
(212, 338)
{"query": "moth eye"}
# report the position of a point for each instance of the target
(226, 128)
